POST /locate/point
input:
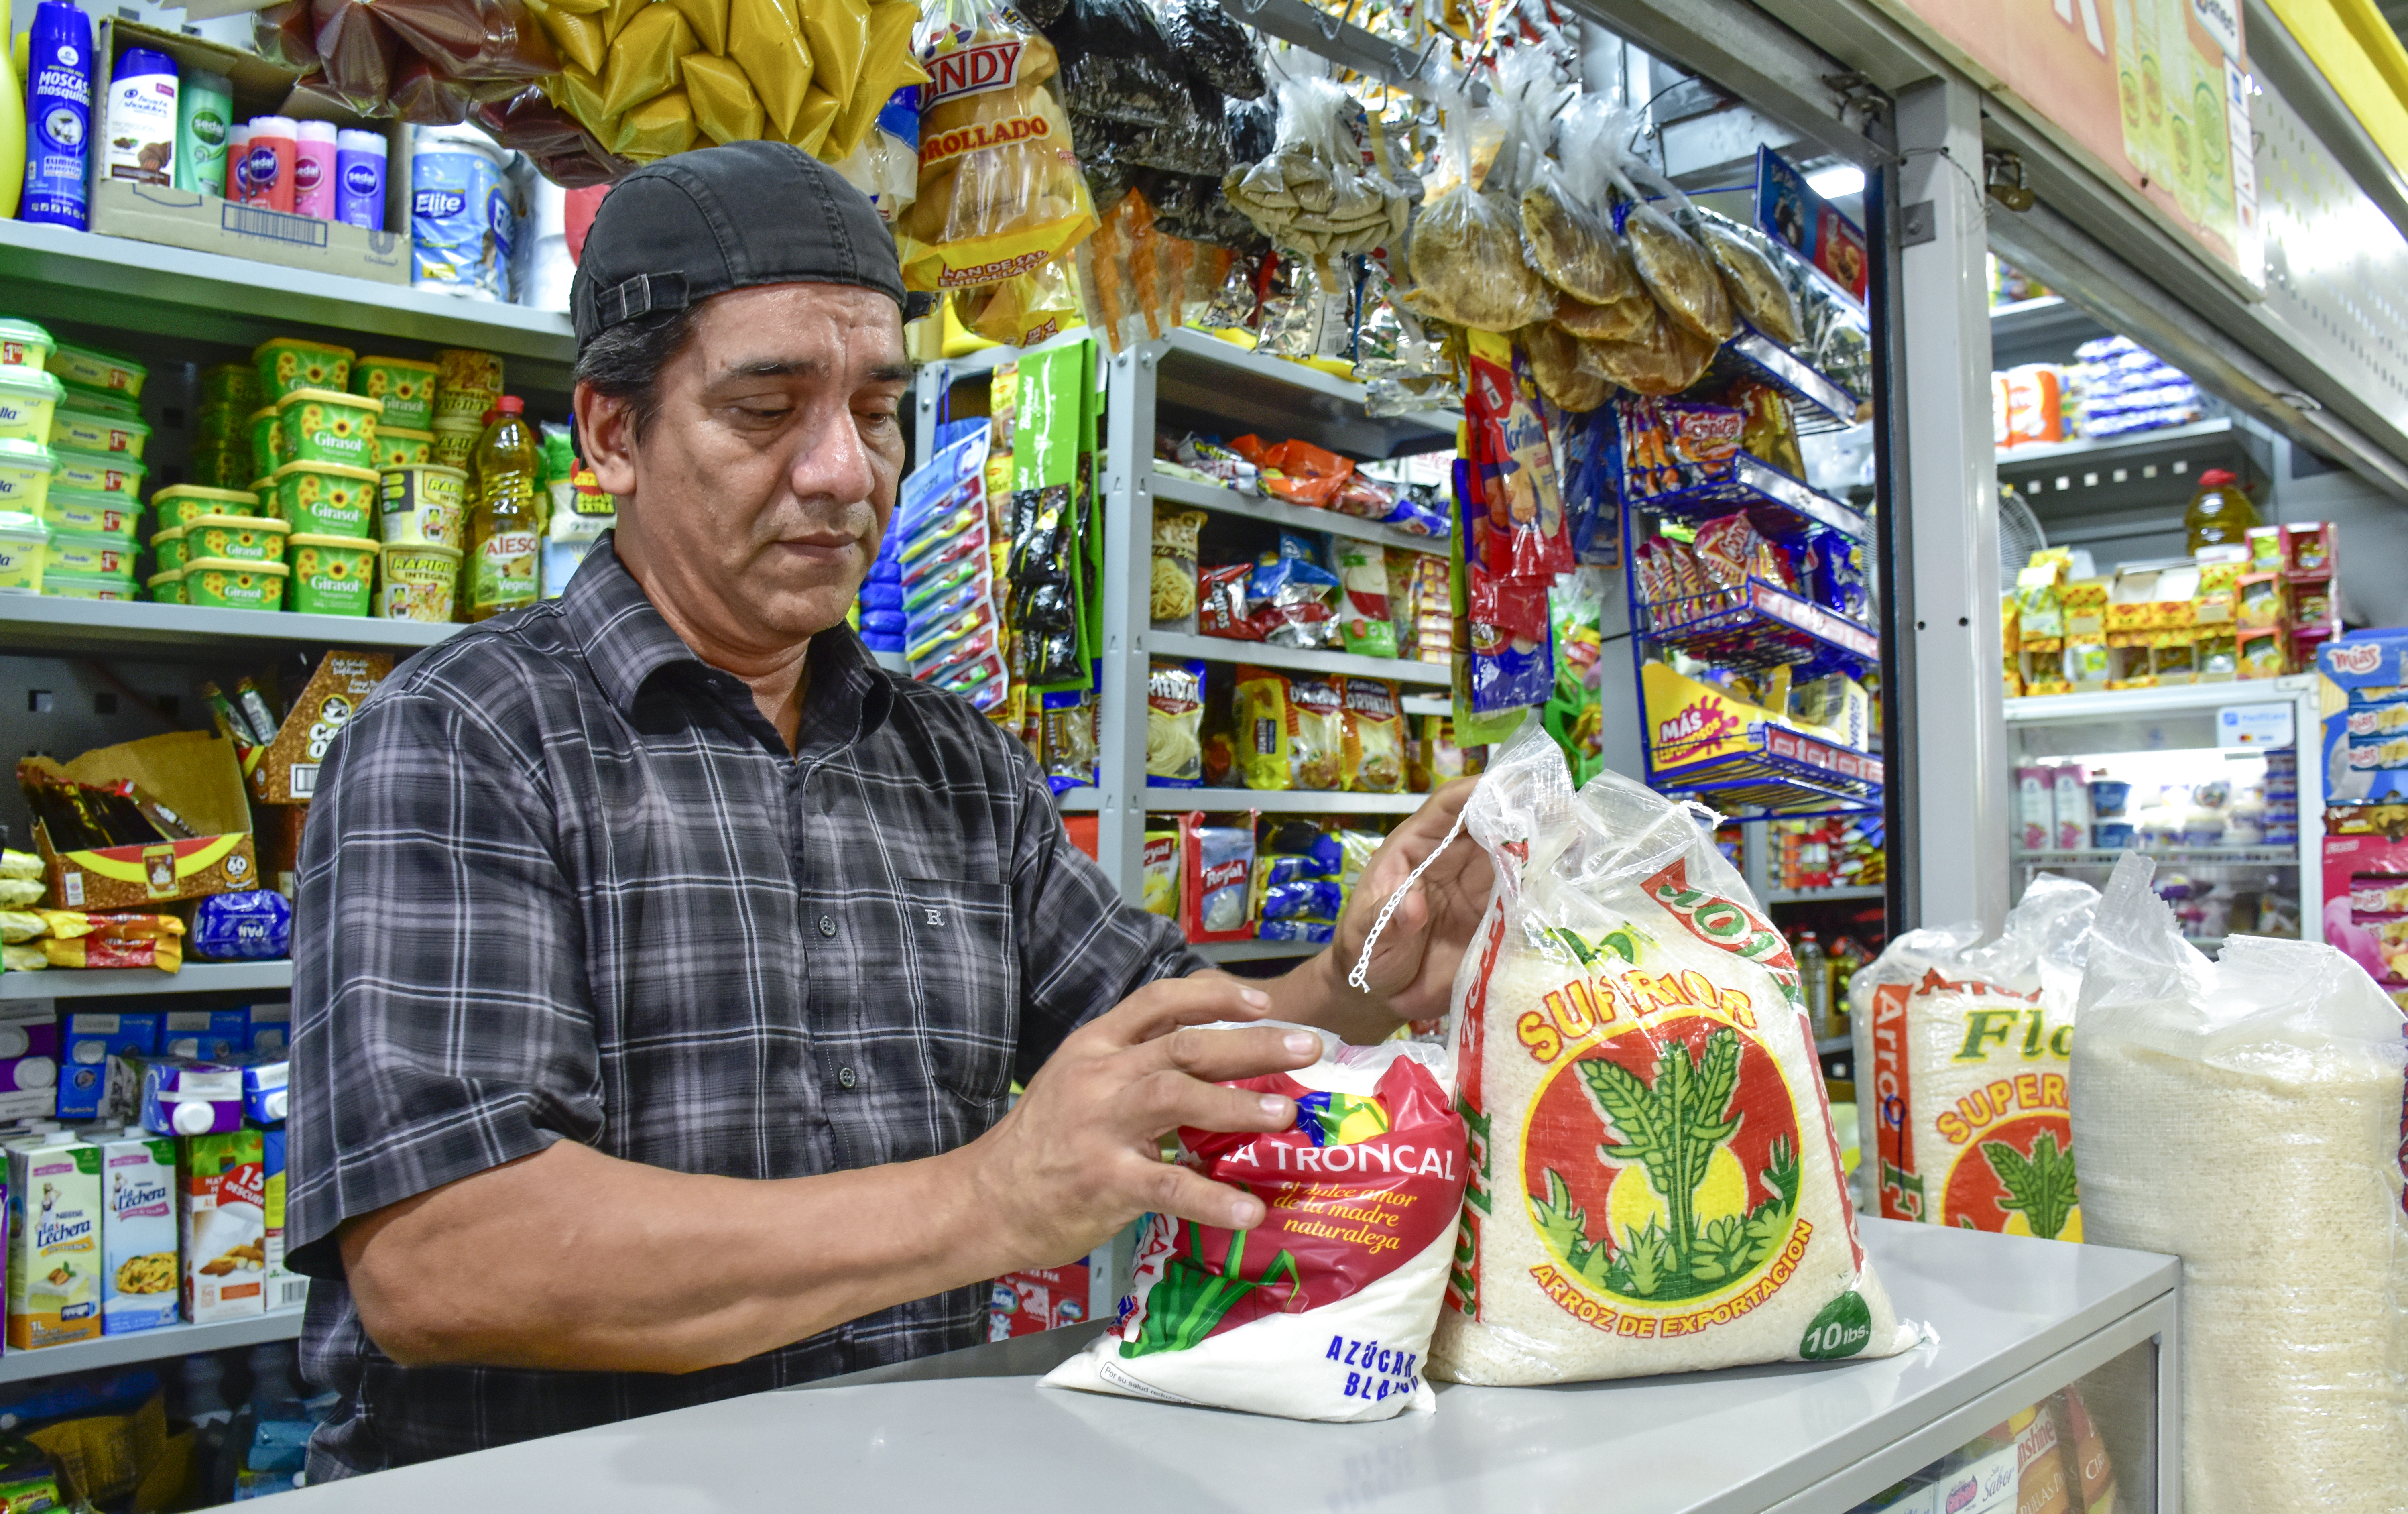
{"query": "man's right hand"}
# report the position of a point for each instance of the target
(1079, 1155)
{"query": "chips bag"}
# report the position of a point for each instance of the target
(1656, 1184)
(1174, 722)
(1324, 1311)
(1260, 714)
(999, 189)
(1316, 731)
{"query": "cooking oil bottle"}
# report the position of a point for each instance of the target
(2221, 512)
(12, 122)
(504, 530)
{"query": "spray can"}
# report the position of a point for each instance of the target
(58, 114)
(274, 140)
(204, 124)
(139, 123)
(359, 172)
(313, 169)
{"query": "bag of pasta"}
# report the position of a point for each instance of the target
(1466, 249)
(1000, 190)
(1658, 1185)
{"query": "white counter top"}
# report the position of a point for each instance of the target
(2016, 1319)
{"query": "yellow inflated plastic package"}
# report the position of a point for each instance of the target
(660, 126)
(580, 93)
(708, 18)
(580, 8)
(644, 58)
(812, 121)
(578, 34)
(889, 66)
(766, 38)
(838, 33)
(1262, 722)
(725, 106)
(619, 13)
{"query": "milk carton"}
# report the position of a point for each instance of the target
(271, 1029)
(222, 1203)
(137, 1232)
(53, 1243)
(285, 1290)
(92, 1038)
(208, 1035)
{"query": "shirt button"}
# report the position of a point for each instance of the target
(844, 1078)
(828, 925)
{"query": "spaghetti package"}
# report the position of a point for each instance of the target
(1174, 722)
(1000, 190)
(1656, 1184)
(1373, 758)
(1970, 1047)
(1325, 1310)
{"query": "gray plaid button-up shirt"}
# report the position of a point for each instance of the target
(562, 881)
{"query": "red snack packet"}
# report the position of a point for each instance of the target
(1726, 550)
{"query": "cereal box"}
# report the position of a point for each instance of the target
(137, 1232)
(222, 1204)
(53, 1244)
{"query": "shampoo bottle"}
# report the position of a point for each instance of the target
(204, 123)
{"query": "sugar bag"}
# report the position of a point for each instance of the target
(1969, 1049)
(2245, 1116)
(1324, 1311)
(1654, 1184)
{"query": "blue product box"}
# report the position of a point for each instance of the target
(92, 1037)
(182, 1096)
(2362, 678)
(209, 1036)
(263, 1092)
(271, 1029)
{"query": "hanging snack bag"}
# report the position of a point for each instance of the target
(1754, 284)
(1373, 761)
(1219, 868)
(1555, 365)
(1325, 1310)
(1174, 722)
(1679, 273)
(1657, 1187)
(1260, 717)
(1572, 242)
(1316, 731)
(1367, 622)
(1664, 359)
(1467, 250)
(1521, 534)
(1000, 190)
(1313, 193)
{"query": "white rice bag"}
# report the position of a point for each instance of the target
(1324, 1311)
(1969, 1049)
(1654, 1182)
(2245, 1116)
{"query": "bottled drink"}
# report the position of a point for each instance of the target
(505, 527)
(2221, 512)
(1814, 981)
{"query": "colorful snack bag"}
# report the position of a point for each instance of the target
(1726, 550)
(1374, 756)
(1519, 530)
(1162, 870)
(1174, 722)
(1367, 621)
(1769, 430)
(1316, 731)
(1225, 607)
(1260, 715)
(1219, 863)
(1703, 440)
(1171, 595)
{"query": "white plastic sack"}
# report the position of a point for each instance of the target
(1324, 1311)
(1654, 1182)
(1968, 1049)
(2245, 1116)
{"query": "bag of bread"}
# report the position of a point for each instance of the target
(1664, 359)
(1755, 286)
(1314, 193)
(1555, 363)
(1000, 190)
(1563, 210)
(1466, 249)
(1622, 320)
(1654, 1181)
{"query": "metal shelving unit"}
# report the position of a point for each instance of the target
(164, 1343)
(114, 982)
(1294, 659)
(40, 623)
(1170, 489)
(1160, 797)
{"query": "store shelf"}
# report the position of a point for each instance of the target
(1338, 40)
(162, 1345)
(2062, 709)
(36, 623)
(1170, 489)
(1240, 391)
(1429, 704)
(1264, 655)
(1823, 404)
(1253, 951)
(2043, 330)
(1162, 797)
(1825, 1046)
(2069, 483)
(2276, 856)
(1851, 894)
(1777, 504)
(1078, 801)
(54, 272)
(1769, 627)
(1782, 771)
(2109, 450)
(109, 982)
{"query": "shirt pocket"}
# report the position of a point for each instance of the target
(963, 950)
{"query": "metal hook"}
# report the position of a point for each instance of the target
(1327, 25)
(1419, 64)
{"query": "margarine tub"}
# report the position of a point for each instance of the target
(25, 470)
(166, 587)
(92, 555)
(219, 584)
(327, 499)
(216, 424)
(91, 431)
(266, 443)
(91, 514)
(181, 504)
(405, 386)
(98, 472)
(396, 448)
(420, 506)
(28, 402)
(87, 586)
(95, 369)
(103, 401)
(246, 538)
(320, 425)
(167, 546)
(418, 583)
(455, 443)
(24, 549)
(220, 464)
(286, 364)
(331, 574)
(233, 386)
(25, 345)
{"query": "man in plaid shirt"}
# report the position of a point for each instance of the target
(662, 965)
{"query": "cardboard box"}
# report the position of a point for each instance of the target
(287, 770)
(2362, 685)
(95, 1040)
(29, 1068)
(213, 1035)
(222, 1211)
(286, 1289)
(53, 1244)
(207, 224)
(192, 772)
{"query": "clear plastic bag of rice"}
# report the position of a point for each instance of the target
(1970, 1047)
(1325, 1310)
(1654, 1185)
(2245, 1116)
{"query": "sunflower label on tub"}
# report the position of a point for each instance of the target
(1655, 1183)
(1325, 1310)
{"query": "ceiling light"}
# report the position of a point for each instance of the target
(1838, 182)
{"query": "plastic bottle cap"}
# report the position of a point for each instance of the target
(193, 1119)
(316, 130)
(275, 1103)
(507, 405)
(186, 1047)
(2216, 477)
(351, 139)
(140, 61)
(14, 1040)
